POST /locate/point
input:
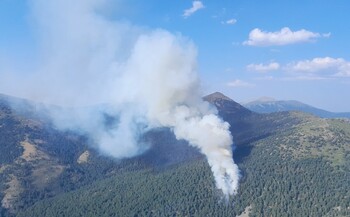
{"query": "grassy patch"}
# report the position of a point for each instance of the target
(316, 137)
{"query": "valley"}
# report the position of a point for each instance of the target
(292, 164)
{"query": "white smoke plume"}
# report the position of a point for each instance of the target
(146, 78)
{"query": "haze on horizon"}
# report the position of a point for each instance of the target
(147, 79)
(243, 50)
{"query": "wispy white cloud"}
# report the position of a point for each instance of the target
(239, 83)
(320, 68)
(326, 35)
(263, 67)
(196, 5)
(265, 78)
(294, 78)
(328, 65)
(231, 21)
(304, 78)
(285, 36)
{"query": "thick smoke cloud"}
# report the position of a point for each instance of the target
(143, 78)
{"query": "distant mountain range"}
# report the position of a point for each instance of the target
(269, 105)
(292, 164)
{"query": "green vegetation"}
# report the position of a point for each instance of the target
(273, 186)
(315, 137)
(11, 130)
(292, 164)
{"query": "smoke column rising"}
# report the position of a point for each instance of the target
(147, 78)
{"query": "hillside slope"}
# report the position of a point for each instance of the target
(38, 161)
(292, 164)
(271, 105)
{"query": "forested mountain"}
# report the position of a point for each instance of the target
(268, 105)
(292, 164)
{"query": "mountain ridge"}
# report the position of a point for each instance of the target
(225, 104)
(269, 106)
(173, 178)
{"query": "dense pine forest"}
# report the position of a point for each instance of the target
(292, 164)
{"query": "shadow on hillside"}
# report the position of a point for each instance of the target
(245, 146)
(241, 152)
(165, 150)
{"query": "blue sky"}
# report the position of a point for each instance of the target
(281, 48)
